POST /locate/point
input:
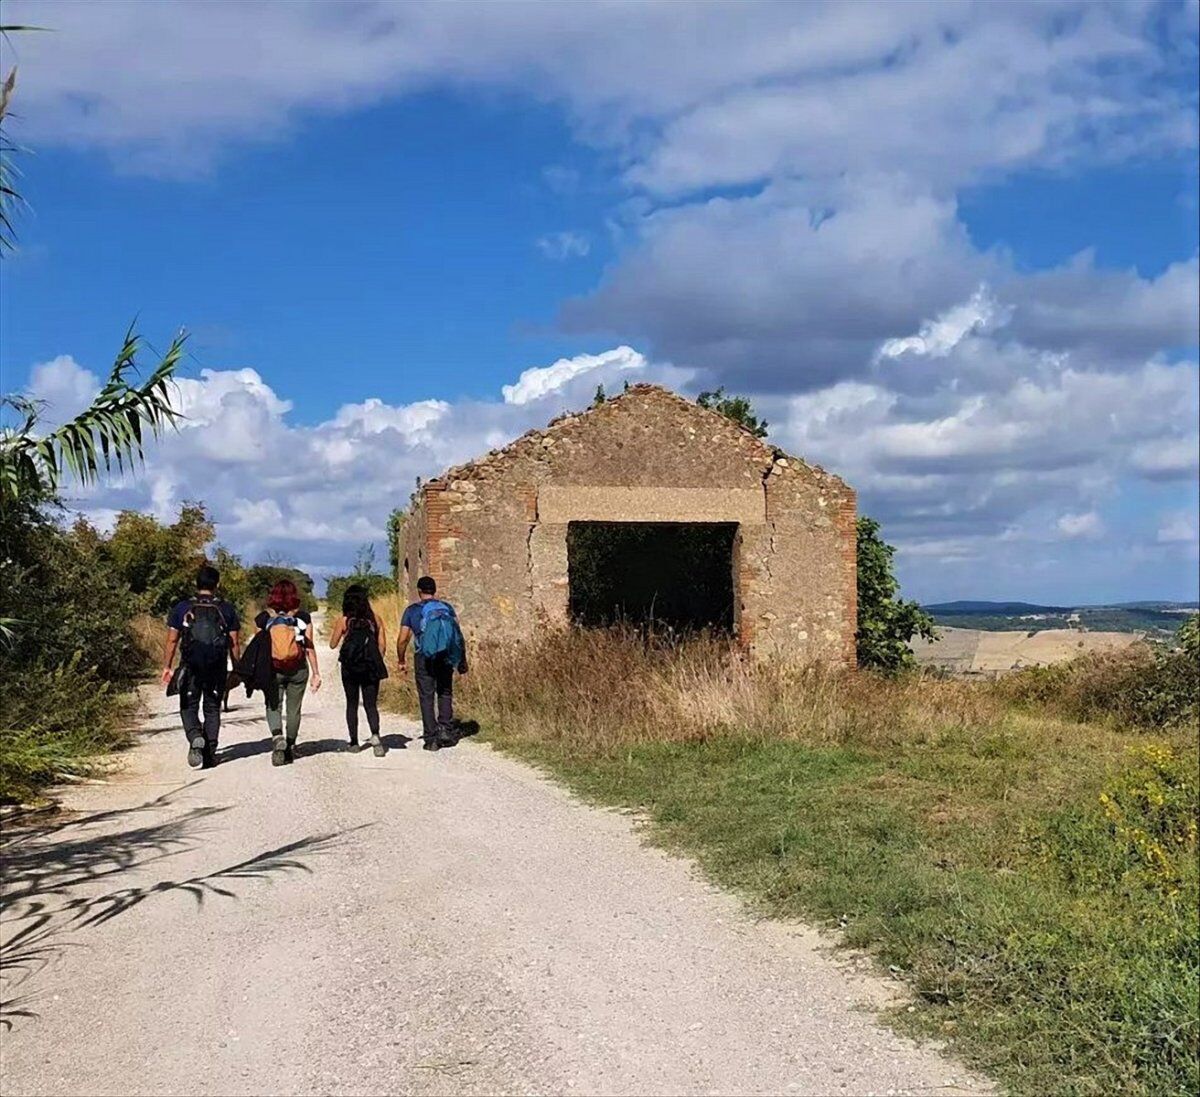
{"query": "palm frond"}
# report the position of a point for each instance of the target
(109, 433)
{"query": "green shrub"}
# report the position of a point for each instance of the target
(262, 577)
(1139, 686)
(71, 651)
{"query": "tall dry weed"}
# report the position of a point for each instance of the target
(603, 689)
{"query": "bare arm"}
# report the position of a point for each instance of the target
(310, 653)
(235, 645)
(339, 631)
(169, 650)
(382, 638)
(402, 645)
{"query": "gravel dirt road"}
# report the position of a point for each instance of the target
(421, 923)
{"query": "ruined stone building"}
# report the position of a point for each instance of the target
(644, 506)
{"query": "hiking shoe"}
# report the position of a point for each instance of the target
(210, 757)
(279, 753)
(377, 746)
(432, 744)
(352, 747)
(196, 752)
(289, 753)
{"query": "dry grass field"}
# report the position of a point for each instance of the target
(978, 651)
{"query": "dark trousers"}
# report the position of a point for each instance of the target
(370, 701)
(435, 678)
(206, 688)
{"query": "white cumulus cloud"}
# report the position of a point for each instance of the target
(541, 381)
(939, 337)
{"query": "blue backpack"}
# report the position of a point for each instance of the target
(440, 637)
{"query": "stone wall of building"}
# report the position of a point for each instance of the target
(493, 532)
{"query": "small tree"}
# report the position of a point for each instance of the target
(395, 524)
(737, 408)
(600, 397)
(886, 623)
(364, 559)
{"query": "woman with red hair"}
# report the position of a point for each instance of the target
(293, 656)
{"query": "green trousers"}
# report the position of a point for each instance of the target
(290, 692)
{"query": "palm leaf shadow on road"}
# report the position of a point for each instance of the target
(44, 862)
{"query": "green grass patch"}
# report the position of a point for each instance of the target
(1030, 938)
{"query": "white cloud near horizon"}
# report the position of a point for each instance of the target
(315, 492)
(955, 477)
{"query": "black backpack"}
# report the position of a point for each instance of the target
(360, 649)
(205, 636)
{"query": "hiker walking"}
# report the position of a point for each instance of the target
(439, 652)
(204, 629)
(288, 630)
(363, 641)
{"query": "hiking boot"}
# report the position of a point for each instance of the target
(210, 756)
(377, 746)
(279, 753)
(196, 752)
(289, 754)
(432, 743)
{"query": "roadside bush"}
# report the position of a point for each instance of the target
(71, 651)
(1138, 686)
(54, 723)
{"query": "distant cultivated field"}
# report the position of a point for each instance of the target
(976, 651)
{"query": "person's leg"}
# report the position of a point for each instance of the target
(275, 721)
(425, 691)
(350, 689)
(370, 695)
(212, 690)
(445, 703)
(189, 714)
(370, 698)
(297, 683)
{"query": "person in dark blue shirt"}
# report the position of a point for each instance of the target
(435, 678)
(206, 628)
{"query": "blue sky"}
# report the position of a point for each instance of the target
(949, 250)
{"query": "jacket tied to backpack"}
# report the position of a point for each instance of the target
(441, 638)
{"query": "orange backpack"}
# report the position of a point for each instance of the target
(287, 649)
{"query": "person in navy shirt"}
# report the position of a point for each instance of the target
(206, 627)
(435, 679)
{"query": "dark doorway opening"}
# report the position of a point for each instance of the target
(677, 576)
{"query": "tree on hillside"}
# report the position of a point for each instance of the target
(737, 408)
(886, 623)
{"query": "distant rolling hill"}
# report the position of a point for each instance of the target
(992, 609)
(1156, 618)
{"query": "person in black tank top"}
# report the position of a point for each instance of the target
(363, 640)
